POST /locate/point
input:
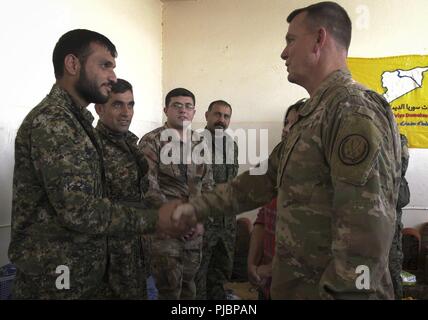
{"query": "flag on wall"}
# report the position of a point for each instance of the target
(402, 82)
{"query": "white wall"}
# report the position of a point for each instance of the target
(28, 33)
(230, 49)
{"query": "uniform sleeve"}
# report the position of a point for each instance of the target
(362, 167)
(72, 184)
(404, 154)
(154, 196)
(245, 192)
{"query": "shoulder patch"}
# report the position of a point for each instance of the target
(356, 148)
(353, 149)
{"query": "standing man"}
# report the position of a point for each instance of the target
(337, 174)
(125, 167)
(174, 176)
(396, 252)
(61, 215)
(219, 237)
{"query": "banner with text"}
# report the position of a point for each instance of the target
(401, 80)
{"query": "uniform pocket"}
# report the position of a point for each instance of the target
(289, 146)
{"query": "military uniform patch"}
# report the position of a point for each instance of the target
(353, 149)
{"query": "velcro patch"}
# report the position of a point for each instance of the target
(353, 149)
(356, 147)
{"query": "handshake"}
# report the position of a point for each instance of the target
(178, 219)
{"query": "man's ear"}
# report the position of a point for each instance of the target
(165, 109)
(71, 64)
(99, 109)
(321, 39)
(206, 115)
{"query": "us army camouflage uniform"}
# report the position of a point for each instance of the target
(124, 166)
(396, 252)
(174, 262)
(60, 215)
(219, 237)
(337, 176)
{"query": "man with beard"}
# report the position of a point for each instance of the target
(61, 215)
(219, 237)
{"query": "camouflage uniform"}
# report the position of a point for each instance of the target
(124, 166)
(174, 262)
(337, 176)
(60, 212)
(219, 237)
(396, 252)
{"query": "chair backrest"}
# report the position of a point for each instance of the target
(424, 250)
(242, 245)
(411, 248)
(7, 276)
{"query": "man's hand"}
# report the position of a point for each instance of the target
(253, 276)
(265, 270)
(166, 225)
(195, 232)
(184, 215)
(258, 275)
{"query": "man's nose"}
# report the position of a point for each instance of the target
(125, 111)
(112, 77)
(284, 54)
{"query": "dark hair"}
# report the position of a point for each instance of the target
(220, 102)
(294, 107)
(177, 92)
(331, 16)
(78, 42)
(121, 86)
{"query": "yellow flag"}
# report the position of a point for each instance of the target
(402, 82)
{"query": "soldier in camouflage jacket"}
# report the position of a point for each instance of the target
(61, 216)
(337, 174)
(219, 237)
(125, 167)
(174, 263)
(396, 252)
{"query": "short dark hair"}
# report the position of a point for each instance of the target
(179, 92)
(331, 16)
(220, 102)
(121, 86)
(294, 107)
(78, 42)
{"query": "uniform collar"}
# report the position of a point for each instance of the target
(113, 135)
(59, 94)
(338, 76)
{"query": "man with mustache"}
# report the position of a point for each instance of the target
(125, 168)
(61, 213)
(219, 237)
(174, 175)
